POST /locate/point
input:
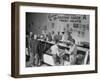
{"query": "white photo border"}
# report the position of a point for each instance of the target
(54, 69)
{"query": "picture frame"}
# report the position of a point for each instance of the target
(19, 20)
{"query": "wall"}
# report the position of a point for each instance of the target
(5, 40)
(38, 22)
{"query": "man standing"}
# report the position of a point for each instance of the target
(29, 47)
(54, 51)
(72, 52)
(49, 37)
(58, 36)
(70, 37)
(64, 37)
(52, 35)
